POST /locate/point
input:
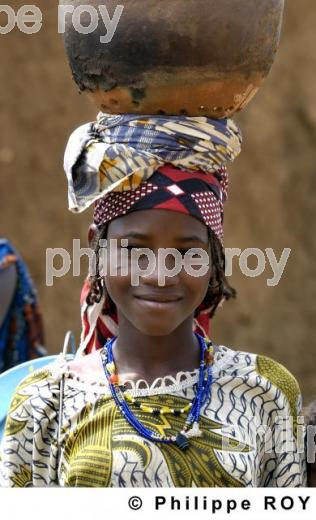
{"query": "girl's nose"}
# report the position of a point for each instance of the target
(164, 270)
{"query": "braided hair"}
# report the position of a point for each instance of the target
(218, 291)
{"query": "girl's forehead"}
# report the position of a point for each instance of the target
(153, 222)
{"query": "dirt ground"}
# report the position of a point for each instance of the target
(272, 192)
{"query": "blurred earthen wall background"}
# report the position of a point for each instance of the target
(272, 193)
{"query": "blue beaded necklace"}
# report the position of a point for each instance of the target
(191, 426)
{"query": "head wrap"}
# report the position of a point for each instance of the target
(128, 163)
(119, 153)
(197, 194)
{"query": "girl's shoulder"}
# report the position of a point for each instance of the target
(38, 393)
(43, 381)
(47, 379)
(260, 370)
(241, 362)
(41, 392)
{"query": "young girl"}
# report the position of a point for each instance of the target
(149, 401)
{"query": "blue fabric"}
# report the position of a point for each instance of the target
(25, 293)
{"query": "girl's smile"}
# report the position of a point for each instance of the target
(162, 300)
(156, 304)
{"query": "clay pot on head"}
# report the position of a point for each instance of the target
(194, 57)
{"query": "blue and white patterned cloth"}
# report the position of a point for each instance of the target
(118, 153)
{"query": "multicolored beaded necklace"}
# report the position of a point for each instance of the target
(191, 425)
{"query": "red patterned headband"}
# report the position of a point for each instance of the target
(198, 194)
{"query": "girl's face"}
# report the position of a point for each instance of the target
(153, 309)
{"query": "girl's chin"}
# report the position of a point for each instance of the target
(156, 327)
(161, 322)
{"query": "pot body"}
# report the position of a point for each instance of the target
(193, 57)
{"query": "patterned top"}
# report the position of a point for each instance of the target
(248, 438)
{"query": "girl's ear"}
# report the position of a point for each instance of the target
(93, 234)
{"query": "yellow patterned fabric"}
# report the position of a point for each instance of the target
(282, 379)
(247, 439)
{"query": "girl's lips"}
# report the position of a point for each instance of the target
(157, 305)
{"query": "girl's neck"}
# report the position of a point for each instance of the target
(139, 356)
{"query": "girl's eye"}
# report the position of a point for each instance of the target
(132, 247)
(194, 256)
(183, 251)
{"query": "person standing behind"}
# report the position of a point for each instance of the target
(21, 325)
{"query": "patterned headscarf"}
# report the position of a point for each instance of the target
(198, 194)
(126, 163)
(119, 153)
